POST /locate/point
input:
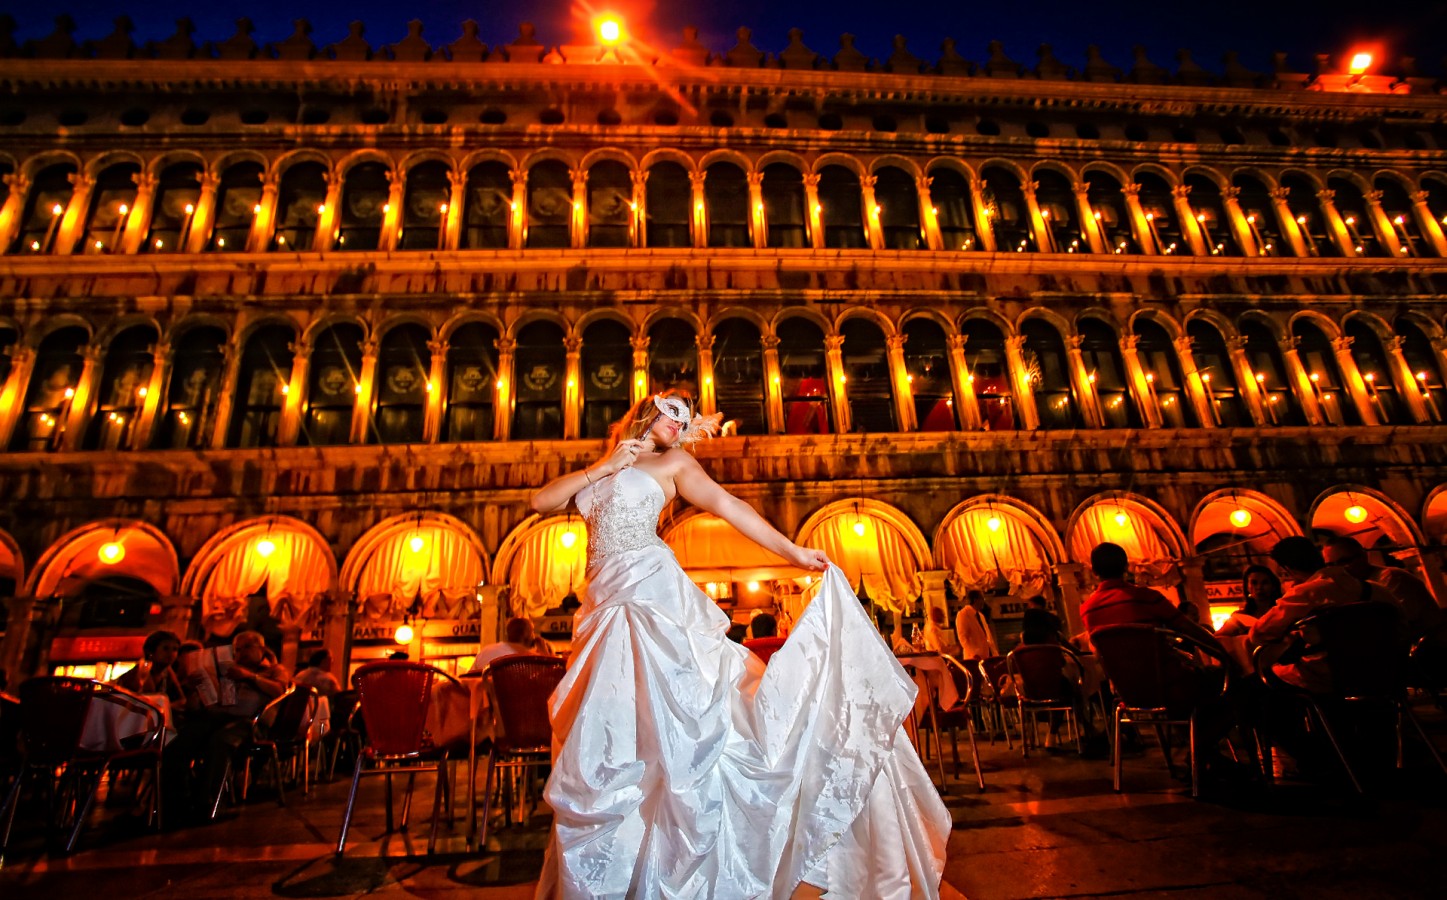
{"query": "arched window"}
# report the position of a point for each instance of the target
(610, 204)
(954, 209)
(58, 364)
(1422, 360)
(111, 202)
(1260, 212)
(1211, 217)
(1056, 198)
(804, 377)
(867, 387)
(1107, 204)
(1319, 359)
(1263, 351)
(471, 383)
(738, 375)
(261, 387)
(783, 193)
(334, 382)
(898, 198)
(197, 358)
(607, 362)
(424, 207)
(1376, 370)
(404, 365)
(550, 205)
(1218, 375)
(842, 215)
(1100, 350)
(927, 362)
(540, 375)
(300, 198)
(1354, 214)
(1165, 383)
(1436, 200)
(364, 207)
(1158, 204)
(178, 190)
(1049, 373)
(726, 199)
(121, 391)
(989, 374)
(238, 198)
(1398, 207)
(667, 203)
(672, 357)
(1311, 221)
(1008, 211)
(487, 207)
(50, 192)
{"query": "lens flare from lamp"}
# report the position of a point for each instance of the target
(1356, 514)
(1360, 63)
(568, 539)
(417, 543)
(1240, 517)
(859, 528)
(993, 523)
(753, 587)
(403, 634)
(610, 30)
(1121, 520)
(265, 547)
(111, 552)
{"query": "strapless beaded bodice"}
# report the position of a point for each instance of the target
(621, 511)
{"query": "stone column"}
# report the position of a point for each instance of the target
(77, 417)
(1039, 220)
(72, 221)
(517, 222)
(983, 226)
(758, 225)
(699, 219)
(873, 228)
(294, 393)
(1408, 388)
(1090, 227)
(262, 227)
(1190, 228)
(1430, 228)
(1251, 388)
(1070, 577)
(1245, 237)
(138, 215)
(452, 215)
(967, 406)
(392, 213)
(226, 395)
(903, 381)
(502, 418)
(573, 389)
(154, 398)
(929, 217)
(329, 214)
(1020, 379)
(637, 208)
(1299, 381)
(13, 209)
(1193, 586)
(1355, 386)
(1194, 385)
(176, 613)
(1290, 228)
(204, 218)
(1084, 383)
(1386, 230)
(1145, 235)
(773, 390)
(12, 395)
(578, 230)
(13, 639)
(640, 366)
(1135, 379)
(365, 395)
(1336, 226)
(707, 396)
(436, 392)
(838, 389)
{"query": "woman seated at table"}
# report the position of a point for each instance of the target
(1261, 589)
(156, 672)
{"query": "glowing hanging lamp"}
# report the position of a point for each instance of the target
(111, 552)
(1356, 514)
(993, 523)
(404, 633)
(1240, 517)
(265, 547)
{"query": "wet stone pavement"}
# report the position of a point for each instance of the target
(1047, 826)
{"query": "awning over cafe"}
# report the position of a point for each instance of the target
(712, 550)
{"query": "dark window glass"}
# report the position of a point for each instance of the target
(488, 206)
(927, 365)
(404, 366)
(607, 362)
(177, 192)
(1398, 207)
(783, 192)
(868, 387)
(1158, 204)
(954, 209)
(50, 192)
(261, 384)
(333, 383)
(364, 207)
(1056, 198)
(988, 373)
(1260, 211)
(1354, 215)
(111, 202)
(738, 375)
(550, 205)
(668, 202)
(540, 375)
(1048, 369)
(1211, 217)
(121, 391)
(58, 364)
(804, 378)
(1269, 369)
(1009, 214)
(424, 207)
(1311, 221)
(1107, 205)
(237, 198)
(1421, 359)
(726, 200)
(898, 197)
(1319, 358)
(471, 383)
(300, 198)
(610, 205)
(1165, 382)
(672, 357)
(197, 359)
(1104, 368)
(842, 200)
(1376, 371)
(1218, 375)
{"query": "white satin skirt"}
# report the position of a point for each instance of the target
(685, 769)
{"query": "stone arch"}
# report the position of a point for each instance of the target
(1328, 326)
(1162, 172)
(946, 324)
(844, 160)
(1056, 166)
(1275, 327)
(614, 154)
(1266, 178)
(1009, 165)
(1160, 317)
(801, 312)
(148, 555)
(787, 157)
(999, 320)
(1376, 323)
(1115, 171)
(891, 160)
(293, 600)
(103, 161)
(953, 164)
(1310, 176)
(426, 592)
(863, 312)
(220, 164)
(1210, 173)
(469, 317)
(1406, 182)
(1056, 320)
(1429, 326)
(182, 326)
(245, 333)
(609, 314)
(327, 320)
(1034, 520)
(672, 312)
(484, 155)
(16, 566)
(1266, 517)
(893, 587)
(285, 161)
(1217, 320)
(38, 163)
(1133, 506)
(409, 161)
(1434, 515)
(1351, 177)
(668, 154)
(530, 316)
(558, 540)
(725, 155)
(116, 327)
(363, 156)
(177, 156)
(405, 318)
(548, 154)
(1336, 510)
(740, 312)
(51, 324)
(1101, 315)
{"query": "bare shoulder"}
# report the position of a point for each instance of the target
(678, 461)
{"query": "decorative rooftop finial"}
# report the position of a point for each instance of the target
(117, 44)
(951, 63)
(1097, 69)
(999, 65)
(299, 46)
(901, 61)
(1144, 71)
(796, 55)
(179, 45)
(412, 48)
(527, 48)
(745, 55)
(691, 52)
(1049, 68)
(1188, 72)
(60, 44)
(468, 48)
(353, 47)
(1237, 75)
(240, 45)
(849, 59)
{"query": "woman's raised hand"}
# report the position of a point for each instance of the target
(624, 455)
(809, 558)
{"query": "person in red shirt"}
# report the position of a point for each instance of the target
(1118, 602)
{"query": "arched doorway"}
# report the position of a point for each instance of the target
(261, 575)
(1231, 530)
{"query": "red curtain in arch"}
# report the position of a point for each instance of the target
(1150, 558)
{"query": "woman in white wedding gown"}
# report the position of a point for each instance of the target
(685, 769)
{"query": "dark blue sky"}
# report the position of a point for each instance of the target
(1255, 28)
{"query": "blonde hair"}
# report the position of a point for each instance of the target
(640, 418)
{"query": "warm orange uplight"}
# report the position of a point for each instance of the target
(403, 634)
(610, 30)
(265, 547)
(111, 553)
(1360, 63)
(753, 587)
(1240, 518)
(1356, 514)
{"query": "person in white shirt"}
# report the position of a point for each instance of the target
(519, 638)
(318, 674)
(972, 629)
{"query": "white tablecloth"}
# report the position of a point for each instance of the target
(107, 723)
(931, 674)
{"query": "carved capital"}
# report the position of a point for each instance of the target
(697, 179)
(1081, 189)
(456, 179)
(1342, 344)
(895, 342)
(81, 182)
(1280, 193)
(1288, 344)
(1326, 195)
(923, 183)
(519, 177)
(704, 342)
(1181, 191)
(1129, 342)
(867, 182)
(301, 348)
(1131, 190)
(369, 348)
(438, 348)
(1231, 193)
(145, 182)
(1393, 344)
(1015, 342)
(756, 180)
(1236, 344)
(572, 343)
(639, 343)
(1186, 345)
(210, 182)
(833, 343)
(1418, 197)
(506, 345)
(1374, 197)
(770, 343)
(811, 181)
(1030, 187)
(17, 183)
(956, 342)
(92, 353)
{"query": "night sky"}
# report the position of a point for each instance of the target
(1255, 28)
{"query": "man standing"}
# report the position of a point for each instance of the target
(972, 629)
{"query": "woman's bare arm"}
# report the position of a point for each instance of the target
(554, 496)
(696, 487)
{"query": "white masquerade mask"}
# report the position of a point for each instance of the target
(690, 428)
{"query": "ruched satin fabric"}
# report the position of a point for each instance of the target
(684, 769)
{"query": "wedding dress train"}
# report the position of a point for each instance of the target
(683, 768)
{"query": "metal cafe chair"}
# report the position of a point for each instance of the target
(1042, 685)
(280, 729)
(395, 696)
(962, 713)
(53, 713)
(341, 735)
(1155, 684)
(1366, 661)
(518, 688)
(996, 675)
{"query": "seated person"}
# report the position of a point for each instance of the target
(156, 673)
(520, 638)
(318, 674)
(1420, 613)
(1116, 601)
(765, 640)
(1039, 625)
(938, 638)
(1261, 589)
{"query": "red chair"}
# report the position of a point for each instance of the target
(518, 689)
(996, 675)
(1043, 685)
(1157, 684)
(962, 713)
(394, 697)
(53, 713)
(766, 647)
